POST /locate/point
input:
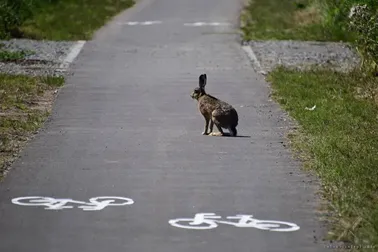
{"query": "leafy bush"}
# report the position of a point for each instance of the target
(364, 22)
(359, 19)
(338, 10)
(14, 12)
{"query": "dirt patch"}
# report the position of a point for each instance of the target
(308, 16)
(370, 93)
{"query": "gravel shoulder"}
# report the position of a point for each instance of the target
(46, 58)
(303, 55)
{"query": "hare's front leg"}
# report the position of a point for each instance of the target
(206, 126)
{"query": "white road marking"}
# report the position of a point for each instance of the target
(219, 24)
(74, 52)
(151, 22)
(195, 24)
(203, 221)
(132, 23)
(94, 204)
(206, 24)
(253, 58)
(140, 23)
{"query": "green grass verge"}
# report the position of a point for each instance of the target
(288, 20)
(339, 140)
(71, 19)
(25, 103)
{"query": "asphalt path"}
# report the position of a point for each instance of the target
(125, 126)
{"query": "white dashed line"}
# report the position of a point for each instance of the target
(219, 24)
(131, 23)
(206, 24)
(141, 23)
(195, 24)
(151, 22)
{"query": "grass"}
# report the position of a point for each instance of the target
(288, 20)
(71, 19)
(6, 56)
(25, 103)
(339, 140)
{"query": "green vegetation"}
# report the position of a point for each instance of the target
(339, 140)
(6, 56)
(57, 19)
(13, 13)
(352, 21)
(25, 103)
(286, 20)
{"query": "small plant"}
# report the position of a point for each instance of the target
(7, 56)
(363, 20)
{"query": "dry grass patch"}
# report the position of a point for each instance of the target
(25, 103)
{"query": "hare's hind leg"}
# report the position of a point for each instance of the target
(215, 121)
(211, 126)
(233, 131)
(220, 133)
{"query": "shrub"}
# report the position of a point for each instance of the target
(358, 19)
(14, 12)
(363, 21)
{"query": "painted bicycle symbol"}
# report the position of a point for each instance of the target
(203, 221)
(94, 204)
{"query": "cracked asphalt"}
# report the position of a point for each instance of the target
(124, 125)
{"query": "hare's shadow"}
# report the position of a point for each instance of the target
(226, 134)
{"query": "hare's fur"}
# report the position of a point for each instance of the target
(215, 111)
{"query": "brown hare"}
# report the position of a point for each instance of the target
(215, 111)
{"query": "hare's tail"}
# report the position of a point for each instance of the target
(233, 131)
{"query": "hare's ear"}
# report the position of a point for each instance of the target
(202, 81)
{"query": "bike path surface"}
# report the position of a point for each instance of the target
(124, 125)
